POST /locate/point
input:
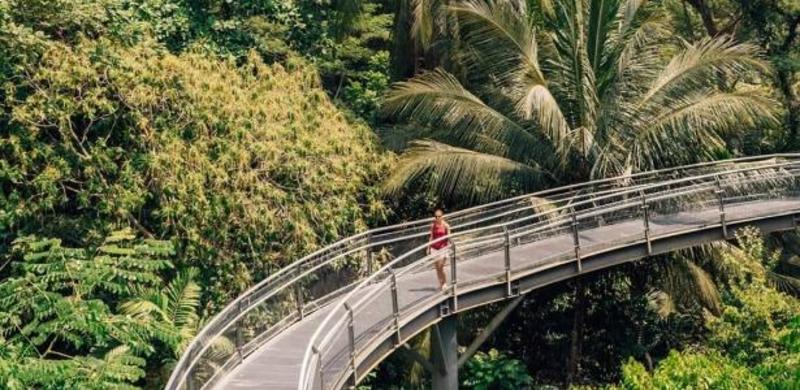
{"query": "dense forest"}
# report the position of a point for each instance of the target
(159, 157)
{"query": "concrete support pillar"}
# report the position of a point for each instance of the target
(444, 354)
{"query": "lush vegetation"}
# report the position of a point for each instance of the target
(158, 157)
(493, 370)
(108, 123)
(229, 159)
(752, 344)
(78, 317)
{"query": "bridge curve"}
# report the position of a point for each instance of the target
(330, 317)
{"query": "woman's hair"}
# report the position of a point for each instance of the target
(438, 210)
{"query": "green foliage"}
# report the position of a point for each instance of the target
(59, 292)
(363, 90)
(171, 313)
(355, 65)
(494, 370)
(116, 370)
(752, 324)
(756, 316)
(782, 371)
(231, 160)
(346, 40)
(69, 20)
(690, 370)
(751, 344)
(593, 89)
(59, 326)
(162, 115)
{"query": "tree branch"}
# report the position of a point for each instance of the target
(706, 15)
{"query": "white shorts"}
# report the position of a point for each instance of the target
(441, 251)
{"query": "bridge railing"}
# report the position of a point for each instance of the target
(375, 309)
(312, 282)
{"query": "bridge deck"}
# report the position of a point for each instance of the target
(276, 364)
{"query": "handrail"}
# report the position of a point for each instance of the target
(326, 323)
(295, 273)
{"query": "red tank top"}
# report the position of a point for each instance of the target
(438, 232)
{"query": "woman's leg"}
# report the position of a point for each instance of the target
(440, 271)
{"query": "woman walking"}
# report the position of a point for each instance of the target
(439, 229)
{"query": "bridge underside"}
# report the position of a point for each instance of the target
(483, 280)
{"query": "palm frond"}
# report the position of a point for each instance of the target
(184, 298)
(699, 64)
(660, 303)
(438, 97)
(422, 24)
(456, 171)
(639, 54)
(688, 285)
(437, 100)
(627, 12)
(504, 41)
(547, 7)
(674, 133)
(602, 17)
(500, 32)
(784, 283)
(574, 75)
(535, 101)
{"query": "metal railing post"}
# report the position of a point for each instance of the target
(646, 216)
(298, 294)
(238, 338)
(576, 239)
(317, 352)
(369, 261)
(190, 383)
(721, 200)
(352, 338)
(369, 255)
(453, 277)
(600, 220)
(507, 248)
(395, 307)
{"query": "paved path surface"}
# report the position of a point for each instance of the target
(276, 364)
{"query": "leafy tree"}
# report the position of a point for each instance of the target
(754, 331)
(248, 166)
(752, 325)
(771, 24)
(684, 370)
(782, 371)
(355, 67)
(58, 323)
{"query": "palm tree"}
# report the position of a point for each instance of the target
(569, 90)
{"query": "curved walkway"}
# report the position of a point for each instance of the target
(337, 328)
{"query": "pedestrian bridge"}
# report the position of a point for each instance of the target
(329, 318)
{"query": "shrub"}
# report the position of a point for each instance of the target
(494, 370)
(249, 167)
(689, 370)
